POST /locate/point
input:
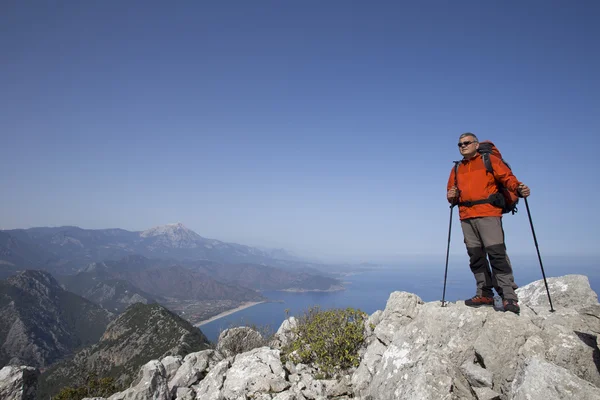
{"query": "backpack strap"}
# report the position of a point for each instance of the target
(456, 163)
(485, 156)
(492, 199)
(456, 173)
(487, 162)
(489, 200)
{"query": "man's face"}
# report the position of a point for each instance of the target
(468, 146)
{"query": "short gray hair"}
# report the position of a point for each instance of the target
(469, 134)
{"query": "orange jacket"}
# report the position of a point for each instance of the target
(475, 183)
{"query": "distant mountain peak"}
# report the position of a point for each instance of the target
(169, 229)
(173, 235)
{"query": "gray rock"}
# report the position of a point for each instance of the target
(368, 366)
(285, 334)
(185, 394)
(401, 309)
(210, 387)
(539, 379)
(485, 393)
(446, 335)
(239, 340)
(287, 326)
(570, 340)
(289, 395)
(259, 396)
(193, 368)
(499, 342)
(310, 387)
(590, 315)
(171, 364)
(428, 344)
(336, 388)
(290, 367)
(150, 384)
(305, 369)
(566, 292)
(257, 371)
(533, 347)
(409, 372)
(18, 383)
(375, 318)
(574, 350)
(478, 377)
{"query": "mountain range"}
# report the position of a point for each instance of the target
(66, 249)
(105, 263)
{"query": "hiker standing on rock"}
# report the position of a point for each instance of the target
(475, 190)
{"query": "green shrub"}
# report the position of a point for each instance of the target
(95, 387)
(327, 339)
(70, 393)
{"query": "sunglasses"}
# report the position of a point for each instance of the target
(464, 144)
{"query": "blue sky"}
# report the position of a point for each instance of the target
(326, 128)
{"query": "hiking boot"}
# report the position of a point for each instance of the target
(478, 301)
(512, 306)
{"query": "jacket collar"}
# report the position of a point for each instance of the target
(475, 157)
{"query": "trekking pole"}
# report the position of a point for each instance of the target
(538, 253)
(447, 254)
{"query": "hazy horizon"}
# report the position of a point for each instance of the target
(457, 252)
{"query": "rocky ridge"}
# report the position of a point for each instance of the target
(416, 350)
(142, 332)
(40, 322)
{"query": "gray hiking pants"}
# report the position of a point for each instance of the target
(484, 238)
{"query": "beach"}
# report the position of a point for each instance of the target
(229, 312)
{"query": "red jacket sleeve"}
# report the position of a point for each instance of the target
(504, 175)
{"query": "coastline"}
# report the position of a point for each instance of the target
(331, 289)
(229, 312)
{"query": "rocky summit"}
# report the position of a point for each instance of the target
(414, 350)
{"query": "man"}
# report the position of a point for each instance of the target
(482, 222)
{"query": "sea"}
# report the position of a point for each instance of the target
(369, 290)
